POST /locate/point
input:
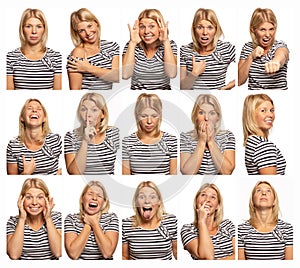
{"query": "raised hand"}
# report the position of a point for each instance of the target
(29, 167)
(92, 220)
(203, 212)
(198, 67)
(163, 31)
(48, 208)
(22, 211)
(134, 32)
(272, 67)
(89, 132)
(257, 52)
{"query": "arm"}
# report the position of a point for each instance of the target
(173, 166)
(75, 244)
(12, 169)
(10, 85)
(126, 167)
(230, 85)
(289, 253)
(174, 249)
(29, 167)
(241, 254)
(280, 58)
(57, 82)
(125, 251)
(268, 171)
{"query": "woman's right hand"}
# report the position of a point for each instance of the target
(89, 133)
(257, 52)
(202, 132)
(203, 212)
(22, 211)
(134, 33)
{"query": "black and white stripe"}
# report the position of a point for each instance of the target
(149, 158)
(100, 157)
(150, 243)
(222, 240)
(109, 223)
(258, 78)
(36, 244)
(261, 153)
(33, 74)
(216, 64)
(150, 73)
(46, 158)
(103, 59)
(265, 245)
(225, 141)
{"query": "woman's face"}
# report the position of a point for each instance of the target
(148, 203)
(265, 34)
(208, 197)
(33, 31)
(149, 120)
(34, 202)
(263, 196)
(90, 113)
(205, 32)
(264, 116)
(148, 30)
(93, 200)
(33, 115)
(207, 114)
(88, 31)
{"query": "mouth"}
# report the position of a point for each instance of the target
(34, 116)
(147, 212)
(93, 205)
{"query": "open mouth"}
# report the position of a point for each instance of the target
(147, 212)
(93, 205)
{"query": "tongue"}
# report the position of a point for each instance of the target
(147, 214)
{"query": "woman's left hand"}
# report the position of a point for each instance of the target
(163, 31)
(48, 208)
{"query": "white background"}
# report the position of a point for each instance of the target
(61, 106)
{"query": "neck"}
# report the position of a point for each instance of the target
(33, 135)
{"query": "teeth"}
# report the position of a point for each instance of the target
(93, 205)
(145, 209)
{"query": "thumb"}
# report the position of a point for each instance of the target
(24, 159)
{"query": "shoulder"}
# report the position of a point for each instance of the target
(107, 43)
(283, 224)
(53, 137)
(169, 218)
(52, 53)
(225, 45)
(113, 130)
(78, 52)
(169, 136)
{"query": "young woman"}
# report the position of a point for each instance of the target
(209, 237)
(204, 61)
(264, 236)
(33, 65)
(91, 148)
(207, 149)
(261, 155)
(149, 58)
(92, 234)
(151, 233)
(93, 63)
(35, 234)
(149, 150)
(263, 61)
(36, 150)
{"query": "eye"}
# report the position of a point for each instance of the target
(142, 27)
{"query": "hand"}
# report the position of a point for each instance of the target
(257, 52)
(272, 67)
(92, 220)
(78, 65)
(134, 33)
(203, 212)
(48, 208)
(89, 132)
(29, 167)
(198, 67)
(22, 211)
(163, 31)
(202, 132)
(210, 129)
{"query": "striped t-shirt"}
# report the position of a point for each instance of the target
(33, 74)
(225, 141)
(222, 240)
(265, 245)
(150, 243)
(46, 158)
(261, 153)
(149, 158)
(108, 222)
(103, 59)
(150, 73)
(258, 78)
(100, 157)
(216, 64)
(36, 243)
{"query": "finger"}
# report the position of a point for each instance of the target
(24, 159)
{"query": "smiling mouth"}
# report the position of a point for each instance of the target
(93, 205)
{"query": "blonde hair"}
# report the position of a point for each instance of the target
(22, 127)
(155, 15)
(82, 14)
(90, 184)
(219, 213)
(33, 13)
(209, 15)
(100, 102)
(251, 103)
(252, 208)
(35, 183)
(147, 101)
(259, 16)
(202, 99)
(137, 218)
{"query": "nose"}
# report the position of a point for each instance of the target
(149, 119)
